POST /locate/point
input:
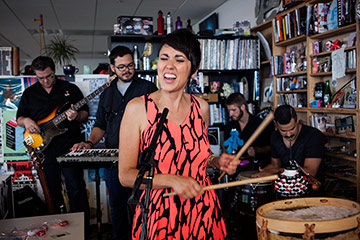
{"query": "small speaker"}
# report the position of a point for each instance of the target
(28, 204)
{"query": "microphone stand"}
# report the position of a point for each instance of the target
(146, 164)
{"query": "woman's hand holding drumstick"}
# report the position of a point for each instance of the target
(233, 184)
(227, 163)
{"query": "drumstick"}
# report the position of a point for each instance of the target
(233, 184)
(252, 138)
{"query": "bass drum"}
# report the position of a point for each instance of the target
(239, 206)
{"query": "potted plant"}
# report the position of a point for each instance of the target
(62, 51)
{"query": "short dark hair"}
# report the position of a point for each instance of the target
(184, 41)
(119, 51)
(235, 99)
(284, 114)
(42, 62)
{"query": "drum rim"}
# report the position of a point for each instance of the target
(297, 227)
(263, 183)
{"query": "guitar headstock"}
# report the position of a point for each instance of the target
(37, 157)
(111, 78)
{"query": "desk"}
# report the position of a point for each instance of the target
(75, 226)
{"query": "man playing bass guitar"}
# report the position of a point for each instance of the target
(37, 103)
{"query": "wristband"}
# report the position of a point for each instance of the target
(91, 144)
(211, 158)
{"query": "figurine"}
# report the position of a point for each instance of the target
(233, 142)
(293, 62)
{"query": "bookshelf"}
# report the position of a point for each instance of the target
(315, 74)
(265, 74)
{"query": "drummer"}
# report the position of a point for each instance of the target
(241, 127)
(307, 146)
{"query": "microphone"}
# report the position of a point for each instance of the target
(146, 157)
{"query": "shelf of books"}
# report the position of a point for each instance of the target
(264, 33)
(315, 55)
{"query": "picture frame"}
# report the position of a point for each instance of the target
(342, 124)
(215, 86)
(214, 135)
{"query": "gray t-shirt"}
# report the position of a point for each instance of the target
(122, 87)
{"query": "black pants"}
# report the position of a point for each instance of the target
(75, 187)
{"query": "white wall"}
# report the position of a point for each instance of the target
(92, 62)
(232, 11)
(229, 12)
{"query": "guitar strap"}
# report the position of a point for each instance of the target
(37, 159)
(109, 102)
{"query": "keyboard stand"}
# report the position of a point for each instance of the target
(98, 207)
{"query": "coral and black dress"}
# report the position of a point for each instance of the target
(181, 150)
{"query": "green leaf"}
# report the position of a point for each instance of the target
(61, 50)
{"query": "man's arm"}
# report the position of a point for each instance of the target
(81, 116)
(272, 168)
(29, 124)
(95, 136)
(311, 165)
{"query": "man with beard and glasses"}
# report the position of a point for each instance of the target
(108, 119)
(242, 126)
(305, 143)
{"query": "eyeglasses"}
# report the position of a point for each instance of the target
(50, 76)
(122, 67)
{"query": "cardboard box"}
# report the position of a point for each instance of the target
(14, 135)
(136, 25)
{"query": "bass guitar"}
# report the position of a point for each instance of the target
(49, 126)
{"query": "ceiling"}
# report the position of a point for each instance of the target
(88, 23)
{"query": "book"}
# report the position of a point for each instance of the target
(220, 32)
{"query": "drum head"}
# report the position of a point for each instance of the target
(247, 174)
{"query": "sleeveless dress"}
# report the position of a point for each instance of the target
(182, 150)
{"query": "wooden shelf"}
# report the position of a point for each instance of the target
(351, 111)
(336, 31)
(302, 109)
(339, 135)
(291, 41)
(352, 180)
(265, 62)
(292, 74)
(329, 52)
(322, 74)
(293, 91)
(340, 156)
(262, 26)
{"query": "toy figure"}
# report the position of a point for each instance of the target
(233, 142)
